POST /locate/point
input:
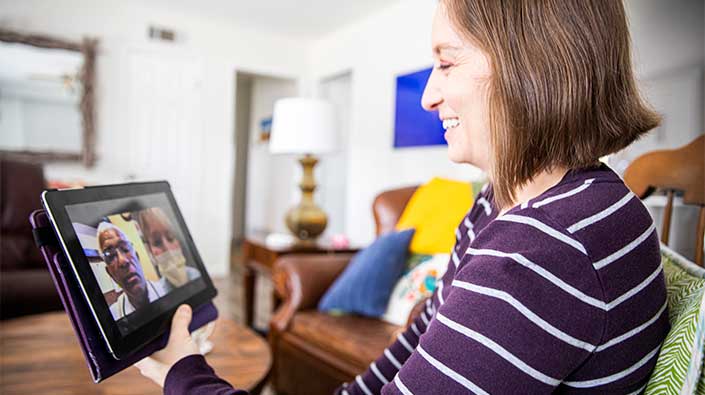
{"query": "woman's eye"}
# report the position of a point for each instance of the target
(443, 66)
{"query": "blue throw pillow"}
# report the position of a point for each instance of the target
(365, 285)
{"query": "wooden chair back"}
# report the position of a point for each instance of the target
(681, 169)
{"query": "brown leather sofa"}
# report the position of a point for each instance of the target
(25, 284)
(315, 352)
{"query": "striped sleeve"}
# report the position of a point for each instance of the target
(383, 369)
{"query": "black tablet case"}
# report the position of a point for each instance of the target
(98, 358)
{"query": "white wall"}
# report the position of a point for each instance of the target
(377, 49)
(666, 35)
(207, 53)
(669, 55)
(669, 59)
(668, 45)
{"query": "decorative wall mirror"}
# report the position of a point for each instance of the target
(47, 98)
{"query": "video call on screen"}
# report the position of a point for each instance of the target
(136, 251)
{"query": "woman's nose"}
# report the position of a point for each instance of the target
(174, 245)
(431, 98)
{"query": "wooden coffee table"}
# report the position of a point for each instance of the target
(40, 354)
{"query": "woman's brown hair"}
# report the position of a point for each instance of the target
(562, 91)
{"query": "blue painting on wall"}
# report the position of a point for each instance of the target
(414, 126)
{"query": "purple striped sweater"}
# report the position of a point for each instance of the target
(564, 293)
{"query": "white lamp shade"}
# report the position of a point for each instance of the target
(303, 126)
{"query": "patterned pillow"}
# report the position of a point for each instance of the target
(679, 365)
(418, 282)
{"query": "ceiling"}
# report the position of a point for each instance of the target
(300, 18)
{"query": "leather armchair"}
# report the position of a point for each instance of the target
(315, 352)
(25, 284)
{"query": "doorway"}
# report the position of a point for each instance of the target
(264, 183)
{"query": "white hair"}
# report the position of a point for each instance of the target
(105, 226)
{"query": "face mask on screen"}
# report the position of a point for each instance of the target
(172, 265)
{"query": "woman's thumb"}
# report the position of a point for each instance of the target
(180, 322)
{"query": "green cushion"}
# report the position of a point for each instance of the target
(680, 361)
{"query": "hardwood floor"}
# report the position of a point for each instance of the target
(230, 299)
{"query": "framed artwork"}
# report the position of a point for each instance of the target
(414, 126)
(265, 129)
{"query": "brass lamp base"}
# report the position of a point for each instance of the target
(307, 221)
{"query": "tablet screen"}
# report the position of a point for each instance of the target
(138, 256)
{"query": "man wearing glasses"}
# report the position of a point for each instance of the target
(123, 265)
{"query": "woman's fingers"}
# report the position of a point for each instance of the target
(152, 369)
(143, 363)
(180, 345)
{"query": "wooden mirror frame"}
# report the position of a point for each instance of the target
(87, 47)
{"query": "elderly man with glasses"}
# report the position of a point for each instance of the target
(123, 265)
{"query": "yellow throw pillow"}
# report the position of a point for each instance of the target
(435, 210)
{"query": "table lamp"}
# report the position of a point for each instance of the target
(305, 127)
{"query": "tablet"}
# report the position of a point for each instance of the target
(133, 256)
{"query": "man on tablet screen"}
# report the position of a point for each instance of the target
(123, 265)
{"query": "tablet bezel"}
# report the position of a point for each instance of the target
(55, 202)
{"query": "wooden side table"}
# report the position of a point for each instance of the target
(258, 259)
(39, 354)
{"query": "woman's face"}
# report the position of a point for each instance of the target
(457, 89)
(160, 238)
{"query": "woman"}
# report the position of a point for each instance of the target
(555, 281)
(165, 247)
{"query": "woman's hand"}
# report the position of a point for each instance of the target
(180, 345)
